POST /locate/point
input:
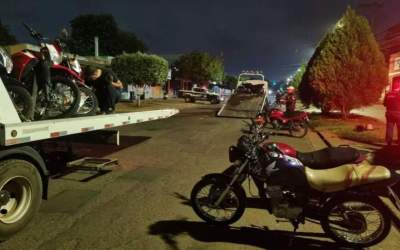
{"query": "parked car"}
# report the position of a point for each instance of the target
(200, 94)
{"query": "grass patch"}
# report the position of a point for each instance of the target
(347, 129)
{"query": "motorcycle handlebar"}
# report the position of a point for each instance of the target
(33, 33)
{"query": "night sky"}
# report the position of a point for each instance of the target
(275, 36)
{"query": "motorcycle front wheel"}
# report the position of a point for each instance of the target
(207, 191)
(298, 129)
(64, 100)
(356, 221)
(22, 101)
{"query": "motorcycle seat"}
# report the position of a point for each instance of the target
(346, 176)
(329, 157)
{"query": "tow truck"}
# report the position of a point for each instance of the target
(24, 175)
(249, 97)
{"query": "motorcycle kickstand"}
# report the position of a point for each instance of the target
(295, 224)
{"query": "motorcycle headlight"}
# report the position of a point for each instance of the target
(234, 154)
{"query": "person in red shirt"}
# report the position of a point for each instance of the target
(290, 99)
(392, 104)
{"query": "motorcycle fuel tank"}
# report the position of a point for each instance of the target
(284, 148)
(287, 171)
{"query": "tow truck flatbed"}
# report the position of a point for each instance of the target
(25, 132)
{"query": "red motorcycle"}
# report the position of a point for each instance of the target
(296, 122)
(69, 67)
(54, 96)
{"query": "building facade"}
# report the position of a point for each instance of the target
(391, 48)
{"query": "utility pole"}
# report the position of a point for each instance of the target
(96, 46)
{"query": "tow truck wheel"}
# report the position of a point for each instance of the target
(20, 195)
(187, 99)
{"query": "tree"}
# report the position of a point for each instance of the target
(112, 41)
(298, 76)
(200, 67)
(230, 81)
(140, 68)
(5, 37)
(347, 70)
(129, 43)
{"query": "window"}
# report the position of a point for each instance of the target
(396, 63)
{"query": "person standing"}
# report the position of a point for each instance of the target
(392, 104)
(290, 99)
(131, 92)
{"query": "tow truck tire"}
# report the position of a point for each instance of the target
(187, 99)
(20, 195)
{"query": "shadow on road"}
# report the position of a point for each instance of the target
(58, 155)
(252, 236)
(256, 203)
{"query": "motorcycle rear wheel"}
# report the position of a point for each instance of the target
(202, 202)
(353, 214)
(88, 104)
(298, 129)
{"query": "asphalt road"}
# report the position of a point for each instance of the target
(144, 203)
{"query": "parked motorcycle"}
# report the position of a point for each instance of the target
(296, 122)
(322, 158)
(20, 97)
(53, 96)
(344, 198)
(70, 68)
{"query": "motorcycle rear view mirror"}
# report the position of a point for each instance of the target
(64, 34)
(36, 35)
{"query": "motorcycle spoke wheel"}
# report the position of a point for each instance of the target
(208, 195)
(88, 103)
(356, 223)
(298, 129)
(204, 196)
(63, 99)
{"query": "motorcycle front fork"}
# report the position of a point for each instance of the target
(395, 198)
(234, 179)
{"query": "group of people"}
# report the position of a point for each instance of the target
(107, 87)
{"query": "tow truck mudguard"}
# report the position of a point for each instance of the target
(29, 154)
